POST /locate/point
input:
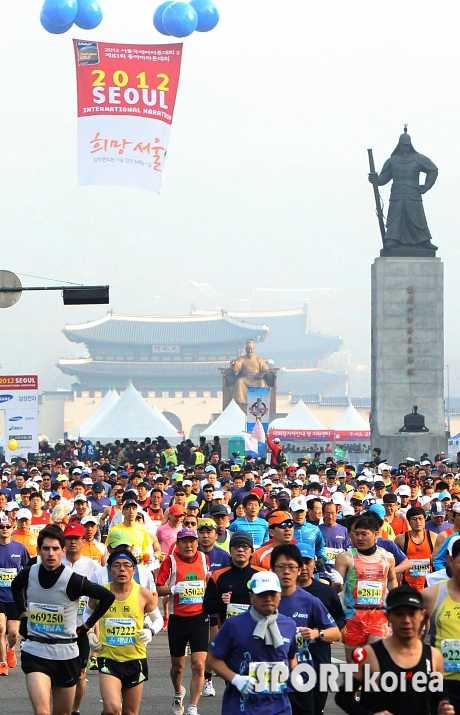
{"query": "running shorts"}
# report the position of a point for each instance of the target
(365, 623)
(188, 629)
(62, 673)
(130, 672)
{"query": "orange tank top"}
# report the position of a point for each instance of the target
(420, 556)
(370, 580)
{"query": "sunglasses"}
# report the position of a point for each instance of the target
(208, 491)
(190, 523)
(288, 524)
(5, 526)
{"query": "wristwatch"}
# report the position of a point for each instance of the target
(321, 634)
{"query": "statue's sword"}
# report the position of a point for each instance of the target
(378, 205)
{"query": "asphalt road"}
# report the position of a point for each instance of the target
(158, 692)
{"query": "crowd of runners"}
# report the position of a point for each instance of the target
(253, 567)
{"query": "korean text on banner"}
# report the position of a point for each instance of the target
(126, 98)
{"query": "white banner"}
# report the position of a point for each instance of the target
(126, 98)
(19, 400)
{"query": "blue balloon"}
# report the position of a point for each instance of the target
(89, 14)
(54, 29)
(180, 19)
(60, 12)
(158, 17)
(208, 14)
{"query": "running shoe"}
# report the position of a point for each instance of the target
(165, 622)
(92, 663)
(3, 669)
(178, 702)
(208, 690)
(11, 658)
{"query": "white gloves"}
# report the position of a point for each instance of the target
(94, 643)
(244, 683)
(178, 587)
(335, 577)
(145, 635)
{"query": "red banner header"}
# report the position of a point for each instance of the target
(139, 80)
(18, 382)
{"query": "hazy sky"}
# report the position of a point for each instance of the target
(266, 175)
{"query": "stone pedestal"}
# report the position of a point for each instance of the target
(407, 355)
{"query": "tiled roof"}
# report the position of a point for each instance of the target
(87, 366)
(188, 330)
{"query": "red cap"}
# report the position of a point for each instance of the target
(176, 510)
(258, 492)
(74, 529)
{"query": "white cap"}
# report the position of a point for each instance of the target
(272, 473)
(425, 500)
(425, 463)
(266, 482)
(276, 440)
(218, 494)
(38, 478)
(298, 504)
(180, 468)
(301, 472)
(141, 465)
(403, 491)
(88, 519)
(11, 505)
(338, 498)
(264, 581)
(298, 482)
(76, 471)
(368, 473)
(24, 514)
(80, 497)
(87, 481)
(348, 510)
(187, 483)
(314, 478)
(383, 466)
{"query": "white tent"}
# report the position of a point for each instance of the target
(276, 423)
(110, 399)
(162, 418)
(301, 418)
(350, 421)
(230, 423)
(131, 417)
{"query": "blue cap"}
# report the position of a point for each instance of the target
(124, 474)
(210, 468)
(444, 495)
(54, 494)
(378, 509)
(306, 551)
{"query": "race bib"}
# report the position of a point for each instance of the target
(236, 609)
(120, 631)
(303, 650)
(46, 619)
(331, 555)
(420, 567)
(267, 689)
(194, 593)
(450, 650)
(81, 606)
(36, 528)
(369, 593)
(7, 576)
